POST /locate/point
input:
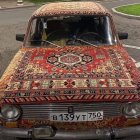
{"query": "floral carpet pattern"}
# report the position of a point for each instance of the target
(71, 73)
(71, 8)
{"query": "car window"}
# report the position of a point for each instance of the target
(71, 30)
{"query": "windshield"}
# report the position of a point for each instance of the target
(71, 30)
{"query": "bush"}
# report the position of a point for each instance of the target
(44, 1)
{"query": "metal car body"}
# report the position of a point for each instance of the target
(72, 78)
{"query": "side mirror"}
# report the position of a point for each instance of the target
(20, 37)
(123, 36)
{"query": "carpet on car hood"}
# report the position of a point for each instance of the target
(70, 74)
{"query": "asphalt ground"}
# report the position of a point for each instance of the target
(12, 22)
(131, 26)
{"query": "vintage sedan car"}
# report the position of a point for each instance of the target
(71, 79)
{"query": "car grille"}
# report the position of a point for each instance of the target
(43, 111)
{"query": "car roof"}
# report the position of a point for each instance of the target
(71, 8)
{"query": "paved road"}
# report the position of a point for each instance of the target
(115, 3)
(127, 25)
(11, 22)
(15, 16)
(124, 24)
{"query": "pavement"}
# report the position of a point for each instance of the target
(132, 26)
(114, 3)
(7, 4)
(123, 24)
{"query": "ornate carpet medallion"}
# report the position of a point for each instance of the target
(69, 60)
(71, 74)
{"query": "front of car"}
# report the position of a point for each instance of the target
(72, 78)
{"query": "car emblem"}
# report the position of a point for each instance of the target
(70, 109)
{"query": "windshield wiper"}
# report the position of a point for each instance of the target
(52, 43)
(46, 41)
(85, 42)
(78, 39)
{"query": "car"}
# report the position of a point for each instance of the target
(71, 79)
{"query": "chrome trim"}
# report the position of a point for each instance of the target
(106, 133)
(127, 132)
(49, 129)
(1, 116)
(43, 111)
(15, 132)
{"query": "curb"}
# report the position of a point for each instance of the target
(131, 46)
(100, 1)
(18, 7)
(34, 5)
(125, 15)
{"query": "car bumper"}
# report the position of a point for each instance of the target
(107, 133)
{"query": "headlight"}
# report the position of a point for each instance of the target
(10, 112)
(131, 110)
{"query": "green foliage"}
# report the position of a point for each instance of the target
(130, 9)
(44, 1)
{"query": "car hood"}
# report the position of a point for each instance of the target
(104, 73)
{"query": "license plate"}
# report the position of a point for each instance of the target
(77, 116)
